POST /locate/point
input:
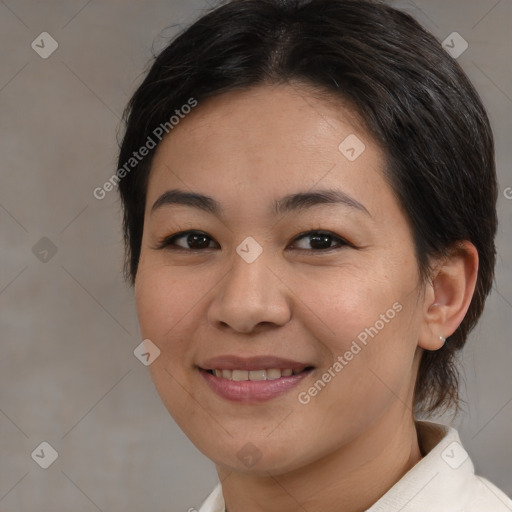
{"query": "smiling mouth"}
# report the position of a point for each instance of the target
(253, 385)
(256, 375)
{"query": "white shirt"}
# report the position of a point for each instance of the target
(443, 480)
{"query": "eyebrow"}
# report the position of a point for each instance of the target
(291, 202)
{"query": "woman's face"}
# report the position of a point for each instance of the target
(300, 261)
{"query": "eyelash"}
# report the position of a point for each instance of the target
(168, 241)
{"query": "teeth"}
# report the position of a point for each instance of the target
(273, 373)
(268, 374)
(258, 375)
(240, 375)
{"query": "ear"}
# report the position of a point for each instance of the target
(448, 295)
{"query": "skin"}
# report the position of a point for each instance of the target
(355, 438)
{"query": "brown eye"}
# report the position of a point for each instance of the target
(197, 241)
(320, 241)
(188, 240)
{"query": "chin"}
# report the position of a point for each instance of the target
(255, 458)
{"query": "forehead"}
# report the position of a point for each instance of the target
(281, 116)
(264, 140)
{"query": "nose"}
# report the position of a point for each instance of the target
(250, 298)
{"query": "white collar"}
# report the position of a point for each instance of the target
(444, 480)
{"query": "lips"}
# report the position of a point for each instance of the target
(231, 362)
(254, 375)
(253, 379)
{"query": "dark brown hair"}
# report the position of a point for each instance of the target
(412, 96)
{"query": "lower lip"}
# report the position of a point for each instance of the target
(251, 391)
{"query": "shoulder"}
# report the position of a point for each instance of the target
(214, 502)
(483, 495)
(443, 480)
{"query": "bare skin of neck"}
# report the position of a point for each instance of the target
(351, 479)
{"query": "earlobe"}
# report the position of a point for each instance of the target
(448, 296)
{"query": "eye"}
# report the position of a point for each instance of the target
(198, 241)
(187, 240)
(320, 241)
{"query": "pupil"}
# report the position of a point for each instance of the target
(320, 241)
(193, 238)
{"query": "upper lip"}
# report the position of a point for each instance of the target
(232, 362)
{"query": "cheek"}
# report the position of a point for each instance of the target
(165, 306)
(370, 319)
(344, 302)
(163, 300)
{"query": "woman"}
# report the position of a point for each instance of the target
(309, 198)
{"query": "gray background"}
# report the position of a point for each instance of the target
(68, 375)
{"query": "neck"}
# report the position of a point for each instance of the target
(351, 478)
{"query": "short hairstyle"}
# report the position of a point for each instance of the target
(412, 97)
